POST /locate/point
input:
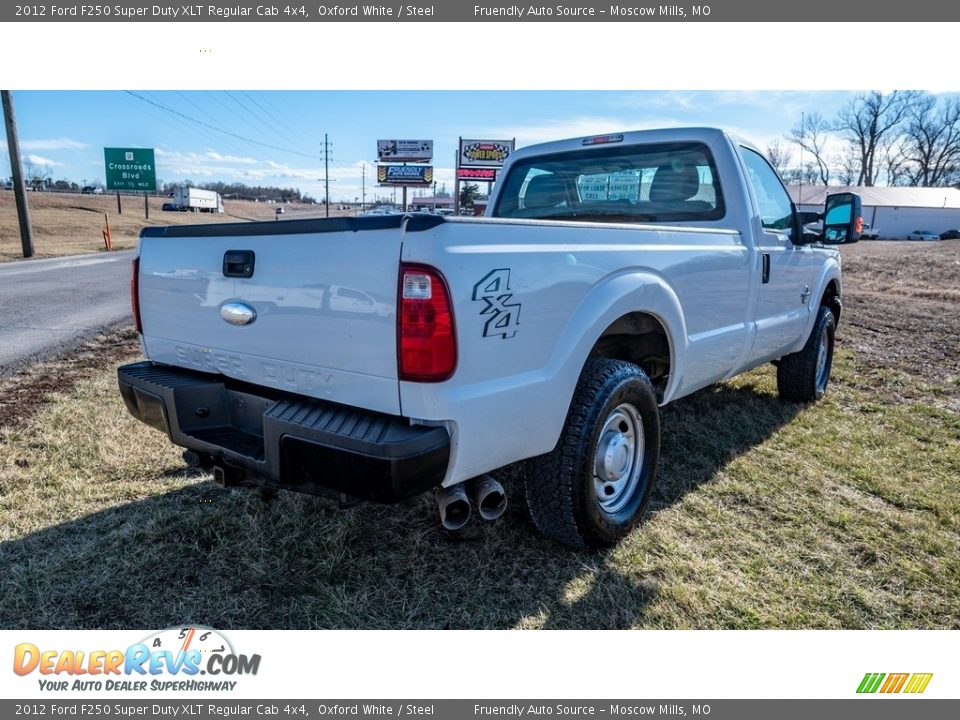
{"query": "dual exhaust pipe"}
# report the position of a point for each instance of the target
(456, 506)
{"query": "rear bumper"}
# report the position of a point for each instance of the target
(287, 441)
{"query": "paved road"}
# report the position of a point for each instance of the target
(48, 305)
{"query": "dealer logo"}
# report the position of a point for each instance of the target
(892, 683)
(171, 659)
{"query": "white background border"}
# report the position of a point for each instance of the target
(440, 664)
(588, 56)
(683, 56)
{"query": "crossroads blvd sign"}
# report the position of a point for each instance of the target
(130, 169)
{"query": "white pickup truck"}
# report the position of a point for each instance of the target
(381, 357)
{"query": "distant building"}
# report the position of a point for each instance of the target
(431, 204)
(894, 211)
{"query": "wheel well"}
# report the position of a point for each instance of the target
(639, 338)
(831, 299)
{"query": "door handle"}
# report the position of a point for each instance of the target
(765, 278)
(238, 263)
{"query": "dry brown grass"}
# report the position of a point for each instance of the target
(72, 224)
(845, 514)
(902, 316)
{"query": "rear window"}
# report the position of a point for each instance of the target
(666, 182)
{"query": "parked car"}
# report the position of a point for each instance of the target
(923, 235)
(170, 207)
(551, 331)
(869, 232)
(950, 235)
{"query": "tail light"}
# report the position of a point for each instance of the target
(426, 340)
(135, 294)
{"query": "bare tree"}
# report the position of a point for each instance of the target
(811, 136)
(932, 141)
(894, 163)
(36, 175)
(849, 165)
(869, 119)
(780, 157)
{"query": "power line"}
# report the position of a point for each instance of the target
(187, 98)
(204, 135)
(208, 136)
(217, 129)
(270, 129)
(232, 113)
(236, 148)
(279, 118)
(266, 103)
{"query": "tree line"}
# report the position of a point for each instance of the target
(39, 177)
(905, 138)
(241, 191)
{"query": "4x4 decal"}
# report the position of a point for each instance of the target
(503, 317)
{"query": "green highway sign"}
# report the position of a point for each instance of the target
(130, 169)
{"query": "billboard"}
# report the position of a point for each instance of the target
(482, 174)
(130, 169)
(404, 150)
(485, 153)
(405, 174)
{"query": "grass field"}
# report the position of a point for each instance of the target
(845, 514)
(72, 224)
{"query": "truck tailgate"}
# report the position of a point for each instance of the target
(323, 293)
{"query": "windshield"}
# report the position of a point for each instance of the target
(665, 182)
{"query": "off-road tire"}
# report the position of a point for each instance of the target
(560, 486)
(797, 373)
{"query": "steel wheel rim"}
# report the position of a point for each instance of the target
(823, 354)
(618, 458)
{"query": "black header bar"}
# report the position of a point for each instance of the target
(633, 11)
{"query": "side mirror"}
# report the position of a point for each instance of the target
(842, 219)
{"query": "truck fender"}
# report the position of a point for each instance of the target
(608, 301)
(830, 272)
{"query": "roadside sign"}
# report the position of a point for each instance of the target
(485, 153)
(405, 174)
(482, 174)
(130, 169)
(404, 150)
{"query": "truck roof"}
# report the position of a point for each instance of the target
(630, 137)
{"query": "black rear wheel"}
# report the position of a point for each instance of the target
(593, 488)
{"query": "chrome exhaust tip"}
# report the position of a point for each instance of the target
(454, 507)
(490, 496)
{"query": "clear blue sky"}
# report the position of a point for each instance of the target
(67, 130)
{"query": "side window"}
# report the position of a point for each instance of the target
(776, 210)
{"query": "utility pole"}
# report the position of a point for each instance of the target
(13, 147)
(803, 122)
(456, 178)
(326, 172)
(363, 185)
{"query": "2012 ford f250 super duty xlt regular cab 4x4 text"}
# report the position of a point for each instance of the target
(380, 357)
